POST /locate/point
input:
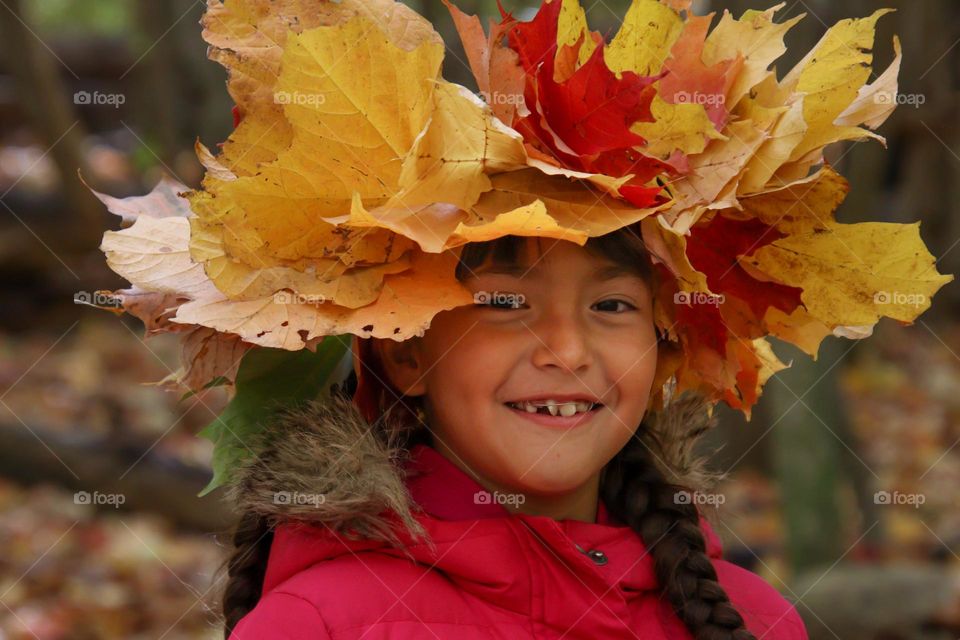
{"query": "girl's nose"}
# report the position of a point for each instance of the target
(560, 342)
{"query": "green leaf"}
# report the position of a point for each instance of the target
(268, 380)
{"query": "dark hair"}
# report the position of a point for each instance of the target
(635, 491)
(623, 247)
(246, 567)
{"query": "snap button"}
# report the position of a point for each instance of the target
(598, 557)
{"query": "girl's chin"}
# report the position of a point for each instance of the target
(546, 491)
(544, 473)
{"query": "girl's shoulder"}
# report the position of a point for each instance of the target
(280, 614)
(365, 593)
(767, 612)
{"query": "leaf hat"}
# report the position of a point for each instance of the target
(356, 173)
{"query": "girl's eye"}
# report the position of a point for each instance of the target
(629, 306)
(514, 301)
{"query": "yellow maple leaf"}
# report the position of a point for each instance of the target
(756, 37)
(644, 40)
(800, 206)
(681, 127)
(462, 143)
(853, 274)
(830, 77)
(248, 37)
(877, 100)
(250, 231)
(571, 28)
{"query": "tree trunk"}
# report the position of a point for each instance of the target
(45, 103)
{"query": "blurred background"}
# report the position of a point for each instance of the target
(843, 490)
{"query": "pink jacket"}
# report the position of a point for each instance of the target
(488, 575)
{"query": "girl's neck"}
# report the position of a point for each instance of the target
(580, 504)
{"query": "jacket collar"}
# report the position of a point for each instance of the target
(444, 492)
(455, 523)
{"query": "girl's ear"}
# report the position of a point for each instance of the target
(403, 364)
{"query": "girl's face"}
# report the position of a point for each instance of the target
(565, 323)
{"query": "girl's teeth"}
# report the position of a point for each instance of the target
(554, 408)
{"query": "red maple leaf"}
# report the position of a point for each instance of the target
(713, 249)
(584, 122)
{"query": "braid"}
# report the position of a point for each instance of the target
(637, 492)
(246, 567)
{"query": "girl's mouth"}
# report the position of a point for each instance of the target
(565, 408)
(555, 414)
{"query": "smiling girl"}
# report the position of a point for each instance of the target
(547, 290)
(516, 441)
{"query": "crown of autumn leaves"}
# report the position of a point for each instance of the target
(356, 173)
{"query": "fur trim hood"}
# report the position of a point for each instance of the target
(328, 449)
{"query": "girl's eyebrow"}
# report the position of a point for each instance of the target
(612, 271)
(606, 272)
